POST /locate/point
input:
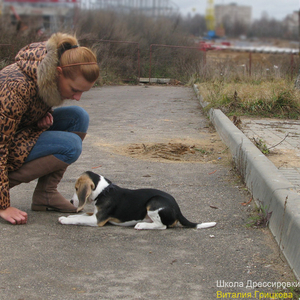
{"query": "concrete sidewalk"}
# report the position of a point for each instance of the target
(47, 260)
(282, 137)
(273, 189)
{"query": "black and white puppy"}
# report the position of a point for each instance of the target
(142, 208)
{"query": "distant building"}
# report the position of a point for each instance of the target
(39, 14)
(232, 14)
(153, 8)
(39, 7)
(291, 21)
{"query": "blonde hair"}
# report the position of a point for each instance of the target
(77, 60)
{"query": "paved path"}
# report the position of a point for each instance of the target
(281, 136)
(46, 260)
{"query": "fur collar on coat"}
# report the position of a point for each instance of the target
(39, 62)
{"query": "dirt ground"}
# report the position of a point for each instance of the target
(202, 151)
(253, 60)
(210, 149)
(237, 56)
(284, 158)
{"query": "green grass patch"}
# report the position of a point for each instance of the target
(259, 218)
(261, 145)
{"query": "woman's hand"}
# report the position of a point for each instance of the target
(46, 121)
(14, 215)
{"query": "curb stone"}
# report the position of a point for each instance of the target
(268, 186)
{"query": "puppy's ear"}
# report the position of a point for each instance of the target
(92, 186)
(84, 190)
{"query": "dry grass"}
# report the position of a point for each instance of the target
(268, 98)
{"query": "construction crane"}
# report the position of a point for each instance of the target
(210, 19)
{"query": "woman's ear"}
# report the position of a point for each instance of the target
(59, 70)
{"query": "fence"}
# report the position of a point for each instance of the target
(117, 58)
(123, 60)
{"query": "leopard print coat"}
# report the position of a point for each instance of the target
(28, 90)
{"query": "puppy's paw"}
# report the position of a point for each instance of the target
(144, 225)
(64, 220)
(139, 226)
(71, 216)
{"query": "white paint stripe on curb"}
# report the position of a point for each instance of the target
(268, 186)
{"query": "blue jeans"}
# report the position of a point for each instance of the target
(59, 140)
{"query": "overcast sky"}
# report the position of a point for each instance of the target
(277, 9)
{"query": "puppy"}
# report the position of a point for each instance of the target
(142, 208)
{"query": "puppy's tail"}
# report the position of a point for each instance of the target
(206, 225)
(185, 222)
